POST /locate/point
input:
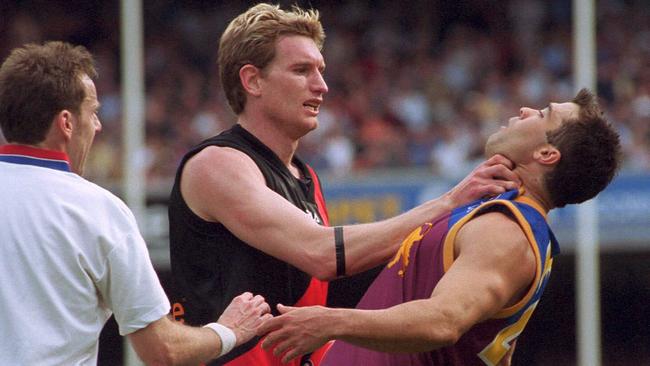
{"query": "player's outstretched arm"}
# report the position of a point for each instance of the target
(224, 185)
(166, 342)
(494, 268)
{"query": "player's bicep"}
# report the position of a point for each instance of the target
(216, 177)
(224, 185)
(494, 268)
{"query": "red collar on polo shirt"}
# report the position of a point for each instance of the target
(29, 155)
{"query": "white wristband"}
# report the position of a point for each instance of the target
(228, 338)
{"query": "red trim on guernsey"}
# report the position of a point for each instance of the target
(318, 196)
(11, 149)
(316, 294)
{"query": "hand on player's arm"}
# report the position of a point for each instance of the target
(224, 185)
(166, 342)
(493, 269)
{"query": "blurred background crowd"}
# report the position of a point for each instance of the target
(412, 83)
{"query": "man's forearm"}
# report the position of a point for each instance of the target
(165, 342)
(373, 244)
(408, 327)
(369, 245)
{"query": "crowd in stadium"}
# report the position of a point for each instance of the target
(410, 83)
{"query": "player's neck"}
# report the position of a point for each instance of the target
(283, 146)
(532, 179)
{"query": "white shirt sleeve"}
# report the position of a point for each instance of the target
(129, 285)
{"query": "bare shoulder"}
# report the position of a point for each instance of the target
(214, 177)
(215, 162)
(496, 242)
(493, 232)
(495, 245)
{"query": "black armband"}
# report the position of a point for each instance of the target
(340, 251)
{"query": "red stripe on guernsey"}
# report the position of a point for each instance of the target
(34, 152)
(316, 294)
(318, 196)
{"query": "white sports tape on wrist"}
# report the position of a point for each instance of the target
(228, 338)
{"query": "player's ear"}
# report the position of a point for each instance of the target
(249, 77)
(63, 123)
(547, 155)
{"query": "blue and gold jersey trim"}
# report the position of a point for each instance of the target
(532, 219)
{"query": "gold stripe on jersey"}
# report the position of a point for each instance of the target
(448, 249)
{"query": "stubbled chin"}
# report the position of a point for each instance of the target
(489, 150)
(494, 145)
(312, 124)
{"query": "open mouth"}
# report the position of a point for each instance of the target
(311, 106)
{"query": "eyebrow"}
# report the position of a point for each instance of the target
(309, 64)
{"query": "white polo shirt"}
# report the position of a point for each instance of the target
(71, 255)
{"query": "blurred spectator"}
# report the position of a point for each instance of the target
(411, 83)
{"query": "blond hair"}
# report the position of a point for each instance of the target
(251, 38)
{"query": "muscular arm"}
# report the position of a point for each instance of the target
(166, 342)
(224, 185)
(494, 268)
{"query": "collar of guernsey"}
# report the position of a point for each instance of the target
(27, 155)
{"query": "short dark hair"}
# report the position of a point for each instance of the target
(36, 83)
(590, 154)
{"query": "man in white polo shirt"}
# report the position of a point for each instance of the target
(70, 251)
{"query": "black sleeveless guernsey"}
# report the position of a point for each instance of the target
(210, 266)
